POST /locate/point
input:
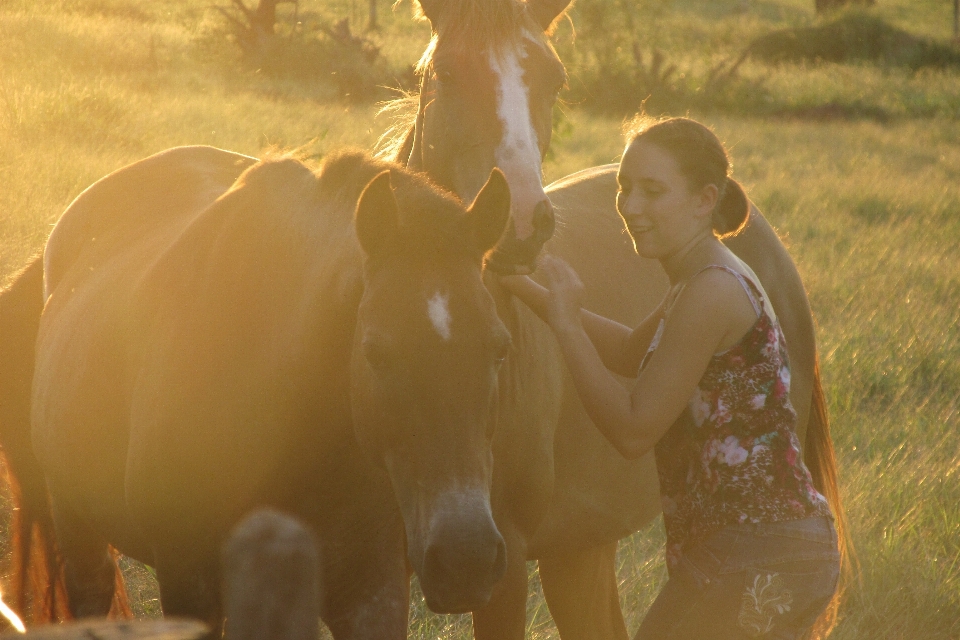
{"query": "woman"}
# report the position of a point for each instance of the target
(752, 550)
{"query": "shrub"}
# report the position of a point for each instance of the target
(314, 48)
(854, 36)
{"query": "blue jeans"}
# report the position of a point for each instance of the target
(769, 580)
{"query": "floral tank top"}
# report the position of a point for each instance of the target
(733, 456)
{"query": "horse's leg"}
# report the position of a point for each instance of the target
(190, 585)
(365, 597)
(505, 617)
(581, 591)
(364, 580)
(89, 569)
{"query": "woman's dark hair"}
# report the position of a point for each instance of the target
(702, 160)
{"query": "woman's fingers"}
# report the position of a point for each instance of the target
(565, 290)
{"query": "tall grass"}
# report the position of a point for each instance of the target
(870, 211)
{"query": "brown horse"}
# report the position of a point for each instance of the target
(489, 82)
(220, 334)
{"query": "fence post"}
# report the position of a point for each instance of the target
(956, 20)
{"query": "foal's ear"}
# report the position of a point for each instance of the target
(376, 219)
(490, 211)
(545, 12)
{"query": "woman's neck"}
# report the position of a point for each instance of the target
(701, 251)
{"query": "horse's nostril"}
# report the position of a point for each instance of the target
(500, 563)
(543, 219)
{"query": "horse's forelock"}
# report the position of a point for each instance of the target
(476, 25)
(483, 20)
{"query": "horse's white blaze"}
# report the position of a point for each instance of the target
(438, 309)
(518, 154)
(454, 501)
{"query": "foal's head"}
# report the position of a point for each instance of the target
(490, 79)
(427, 351)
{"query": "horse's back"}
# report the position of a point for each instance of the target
(599, 495)
(132, 200)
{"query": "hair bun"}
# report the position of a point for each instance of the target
(733, 211)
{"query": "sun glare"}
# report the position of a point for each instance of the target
(11, 616)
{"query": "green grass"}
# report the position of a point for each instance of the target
(697, 37)
(870, 211)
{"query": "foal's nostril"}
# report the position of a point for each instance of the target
(543, 219)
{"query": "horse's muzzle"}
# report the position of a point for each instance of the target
(519, 257)
(464, 557)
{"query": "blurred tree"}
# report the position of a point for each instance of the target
(830, 5)
(956, 20)
(255, 33)
(372, 24)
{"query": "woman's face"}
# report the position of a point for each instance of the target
(655, 201)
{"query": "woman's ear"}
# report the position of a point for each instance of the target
(707, 200)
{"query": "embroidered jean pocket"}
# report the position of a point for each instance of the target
(787, 598)
(764, 599)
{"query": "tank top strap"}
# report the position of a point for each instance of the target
(753, 291)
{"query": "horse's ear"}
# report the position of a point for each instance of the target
(376, 219)
(490, 211)
(545, 12)
(431, 10)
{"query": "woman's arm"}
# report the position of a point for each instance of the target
(620, 348)
(635, 420)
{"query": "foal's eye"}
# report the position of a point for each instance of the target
(444, 77)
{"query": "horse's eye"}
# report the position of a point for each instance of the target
(377, 356)
(444, 77)
(501, 354)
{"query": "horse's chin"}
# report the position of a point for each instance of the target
(512, 257)
(443, 602)
(505, 268)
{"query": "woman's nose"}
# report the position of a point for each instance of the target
(631, 206)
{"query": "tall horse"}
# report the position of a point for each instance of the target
(489, 82)
(220, 334)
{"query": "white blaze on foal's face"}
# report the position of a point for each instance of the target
(438, 309)
(518, 154)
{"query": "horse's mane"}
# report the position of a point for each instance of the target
(430, 217)
(402, 114)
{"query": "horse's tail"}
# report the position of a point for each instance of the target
(820, 458)
(36, 577)
(37, 584)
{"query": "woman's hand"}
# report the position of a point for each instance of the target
(566, 294)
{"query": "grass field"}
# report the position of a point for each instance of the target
(869, 210)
